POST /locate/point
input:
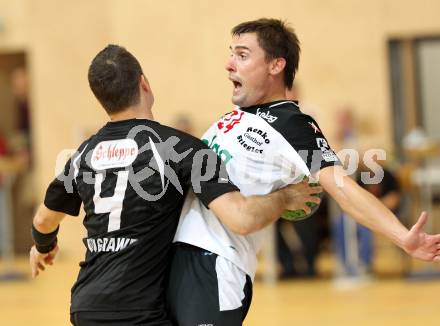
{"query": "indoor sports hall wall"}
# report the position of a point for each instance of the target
(183, 46)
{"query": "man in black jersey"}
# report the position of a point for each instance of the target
(132, 177)
(272, 139)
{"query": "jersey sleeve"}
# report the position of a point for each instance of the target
(304, 135)
(204, 171)
(62, 195)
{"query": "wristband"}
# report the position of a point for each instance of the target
(44, 242)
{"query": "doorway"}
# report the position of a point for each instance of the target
(15, 151)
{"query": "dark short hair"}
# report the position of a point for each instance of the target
(277, 40)
(114, 78)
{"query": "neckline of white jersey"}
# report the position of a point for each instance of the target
(270, 105)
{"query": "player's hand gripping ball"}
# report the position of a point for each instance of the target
(300, 214)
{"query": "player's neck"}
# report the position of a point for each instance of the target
(276, 92)
(276, 96)
(133, 113)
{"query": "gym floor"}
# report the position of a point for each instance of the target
(45, 301)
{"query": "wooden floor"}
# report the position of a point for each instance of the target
(45, 301)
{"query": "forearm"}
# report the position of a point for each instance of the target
(244, 215)
(260, 211)
(45, 229)
(46, 220)
(369, 211)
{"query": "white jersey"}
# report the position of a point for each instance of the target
(265, 147)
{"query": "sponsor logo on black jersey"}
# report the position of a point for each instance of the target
(266, 116)
(114, 154)
(327, 153)
(108, 244)
(315, 127)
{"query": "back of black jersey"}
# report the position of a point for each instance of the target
(132, 177)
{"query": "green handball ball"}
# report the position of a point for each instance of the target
(300, 214)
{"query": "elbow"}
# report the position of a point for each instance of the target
(243, 231)
(243, 227)
(43, 224)
(241, 219)
(247, 226)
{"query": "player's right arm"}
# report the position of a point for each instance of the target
(356, 201)
(44, 231)
(245, 215)
(61, 198)
(369, 211)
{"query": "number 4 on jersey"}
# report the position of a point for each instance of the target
(113, 204)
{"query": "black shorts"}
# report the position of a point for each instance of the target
(119, 318)
(205, 289)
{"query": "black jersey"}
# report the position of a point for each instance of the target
(132, 177)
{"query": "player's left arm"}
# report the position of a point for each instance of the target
(245, 215)
(369, 211)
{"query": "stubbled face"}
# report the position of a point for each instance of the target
(248, 71)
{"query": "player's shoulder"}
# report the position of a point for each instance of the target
(144, 131)
(229, 112)
(181, 139)
(168, 131)
(229, 117)
(287, 117)
(85, 144)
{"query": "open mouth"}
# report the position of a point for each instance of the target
(237, 85)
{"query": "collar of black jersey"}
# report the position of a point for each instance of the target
(270, 105)
(129, 122)
(112, 126)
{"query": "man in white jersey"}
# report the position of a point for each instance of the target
(266, 143)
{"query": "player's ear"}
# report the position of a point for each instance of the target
(144, 84)
(277, 65)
